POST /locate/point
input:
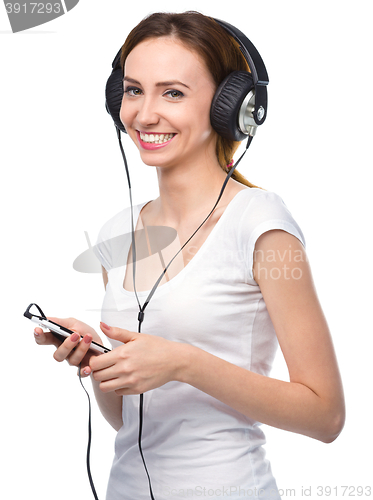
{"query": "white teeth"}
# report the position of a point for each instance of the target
(156, 138)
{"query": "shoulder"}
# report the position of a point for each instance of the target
(260, 203)
(260, 211)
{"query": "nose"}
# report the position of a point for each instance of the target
(147, 114)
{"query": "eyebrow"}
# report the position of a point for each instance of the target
(159, 84)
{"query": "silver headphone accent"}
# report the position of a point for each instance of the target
(246, 121)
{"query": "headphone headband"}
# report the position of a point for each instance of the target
(250, 53)
(258, 73)
(240, 102)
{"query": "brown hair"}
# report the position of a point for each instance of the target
(207, 38)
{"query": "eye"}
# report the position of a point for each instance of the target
(174, 94)
(133, 91)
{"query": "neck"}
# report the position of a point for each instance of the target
(188, 191)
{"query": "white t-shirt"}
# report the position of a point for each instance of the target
(194, 445)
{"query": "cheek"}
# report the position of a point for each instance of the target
(203, 125)
(125, 113)
(122, 116)
(204, 107)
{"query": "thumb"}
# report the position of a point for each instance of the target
(118, 333)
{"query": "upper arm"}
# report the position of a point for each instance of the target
(283, 274)
(104, 276)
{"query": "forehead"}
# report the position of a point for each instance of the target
(166, 58)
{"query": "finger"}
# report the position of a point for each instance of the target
(45, 338)
(85, 371)
(105, 375)
(111, 385)
(65, 349)
(103, 361)
(118, 333)
(81, 350)
(39, 335)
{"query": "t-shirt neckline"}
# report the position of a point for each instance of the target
(193, 261)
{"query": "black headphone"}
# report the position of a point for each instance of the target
(240, 102)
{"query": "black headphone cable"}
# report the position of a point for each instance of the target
(89, 437)
(141, 314)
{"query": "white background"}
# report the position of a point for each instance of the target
(62, 174)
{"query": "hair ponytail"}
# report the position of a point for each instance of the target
(225, 150)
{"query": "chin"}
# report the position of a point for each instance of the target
(151, 162)
(154, 159)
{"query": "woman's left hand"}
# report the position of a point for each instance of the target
(142, 363)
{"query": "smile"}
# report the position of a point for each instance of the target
(156, 138)
(153, 141)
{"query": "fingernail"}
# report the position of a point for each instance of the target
(75, 337)
(36, 334)
(86, 371)
(87, 339)
(104, 325)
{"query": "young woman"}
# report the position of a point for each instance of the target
(237, 289)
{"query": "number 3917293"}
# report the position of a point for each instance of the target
(344, 491)
(33, 8)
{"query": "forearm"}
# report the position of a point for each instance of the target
(110, 405)
(289, 406)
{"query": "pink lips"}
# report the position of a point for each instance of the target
(150, 145)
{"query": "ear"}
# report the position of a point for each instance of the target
(227, 102)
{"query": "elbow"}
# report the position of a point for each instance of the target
(334, 427)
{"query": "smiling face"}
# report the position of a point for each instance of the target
(165, 109)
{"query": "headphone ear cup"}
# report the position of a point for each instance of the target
(114, 95)
(227, 102)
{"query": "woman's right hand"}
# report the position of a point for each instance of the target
(73, 349)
